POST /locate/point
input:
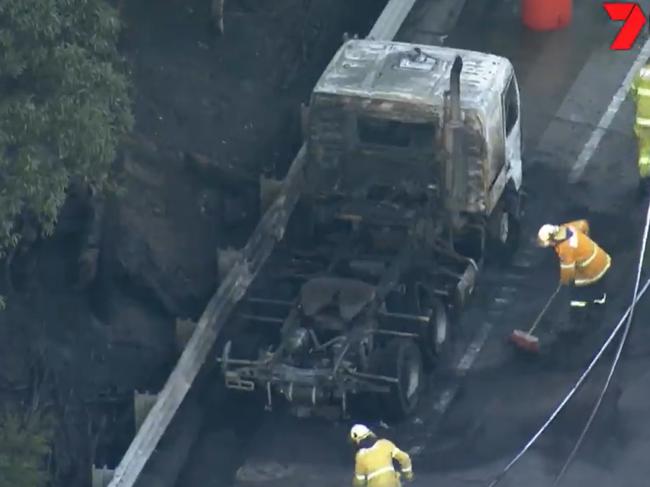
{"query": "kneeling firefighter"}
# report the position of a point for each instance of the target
(583, 266)
(374, 460)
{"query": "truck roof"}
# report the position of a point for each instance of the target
(394, 71)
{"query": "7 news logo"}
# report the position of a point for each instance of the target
(633, 18)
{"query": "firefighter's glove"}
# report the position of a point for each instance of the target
(408, 476)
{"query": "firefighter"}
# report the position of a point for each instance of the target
(583, 266)
(374, 460)
(641, 93)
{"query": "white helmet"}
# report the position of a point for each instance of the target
(360, 432)
(546, 234)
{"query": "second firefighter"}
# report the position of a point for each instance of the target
(583, 266)
(374, 460)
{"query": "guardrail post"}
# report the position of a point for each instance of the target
(142, 404)
(184, 330)
(101, 476)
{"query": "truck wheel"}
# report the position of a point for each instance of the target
(503, 235)
(436, 336)
(401, 359)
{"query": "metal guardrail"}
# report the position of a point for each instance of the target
(390, 20)
(231, 290)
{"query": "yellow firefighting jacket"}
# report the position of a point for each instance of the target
(374, 465)
(582, 261)
(640, 90)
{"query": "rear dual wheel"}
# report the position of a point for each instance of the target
(400, 359)
(435, 336)
(405, 358)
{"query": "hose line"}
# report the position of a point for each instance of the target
(628, 324)
(638, 295)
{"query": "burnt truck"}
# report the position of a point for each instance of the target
(413, 181)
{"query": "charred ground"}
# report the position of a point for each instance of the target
(212, 113)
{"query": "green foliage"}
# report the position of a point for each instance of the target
(64, 105)
(24, 445)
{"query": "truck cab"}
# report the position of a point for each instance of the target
(381, 121)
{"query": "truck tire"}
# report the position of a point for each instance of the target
(436, 336)
(503, 235)
(401, 359)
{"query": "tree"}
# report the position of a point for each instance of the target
(64, 106)
(25, 441)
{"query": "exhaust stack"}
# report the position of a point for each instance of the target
(454, 89)
(455, 169)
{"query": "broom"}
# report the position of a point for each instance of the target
(525, 340)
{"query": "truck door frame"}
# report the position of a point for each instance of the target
(512, 132)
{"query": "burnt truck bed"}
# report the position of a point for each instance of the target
(360, 313)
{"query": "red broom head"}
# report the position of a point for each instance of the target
(525, 341)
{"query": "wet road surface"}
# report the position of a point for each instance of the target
(567, 80)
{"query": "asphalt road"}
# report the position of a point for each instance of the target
(469, 427)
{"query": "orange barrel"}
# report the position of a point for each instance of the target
(546, 14)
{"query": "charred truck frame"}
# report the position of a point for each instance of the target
(413, 176)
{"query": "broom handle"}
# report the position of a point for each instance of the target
(541, 314)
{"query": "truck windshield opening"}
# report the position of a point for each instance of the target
(377, 131)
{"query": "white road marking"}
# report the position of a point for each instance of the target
(474, 348)
(514, 276)
(619, 97)
(447, 396)
(445, 399)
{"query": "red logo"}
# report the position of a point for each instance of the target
(633, 19)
